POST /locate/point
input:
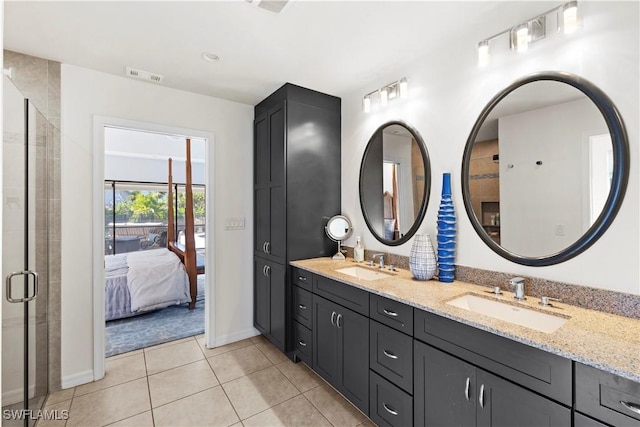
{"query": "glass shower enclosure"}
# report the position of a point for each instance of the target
(24, 259)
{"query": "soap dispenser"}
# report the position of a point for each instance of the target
(358, 251)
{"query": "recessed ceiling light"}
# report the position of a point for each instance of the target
(211, 57)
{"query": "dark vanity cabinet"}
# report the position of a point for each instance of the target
(404, 366)
(296, 187)
(341, 339)
(450, 391)
(602, 397)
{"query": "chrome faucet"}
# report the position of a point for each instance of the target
(381, 259)
(518, 283)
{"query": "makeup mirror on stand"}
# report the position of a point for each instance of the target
(338, 228)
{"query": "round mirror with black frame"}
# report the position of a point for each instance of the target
(394, 182)
(545, 168)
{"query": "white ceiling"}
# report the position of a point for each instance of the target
(330, 46)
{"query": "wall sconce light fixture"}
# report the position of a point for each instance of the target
(532, 30)
(385, 94)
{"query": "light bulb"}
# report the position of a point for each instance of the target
(384, 96)
(570, 17)
(522, 38)
(404, 88)
(366, 104)
(483, 53)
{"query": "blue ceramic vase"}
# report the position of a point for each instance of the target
(446, 233)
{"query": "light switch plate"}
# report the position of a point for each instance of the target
(234, 224)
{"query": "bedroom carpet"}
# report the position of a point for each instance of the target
(160, 326)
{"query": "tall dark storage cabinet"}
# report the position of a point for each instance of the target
(296, 189)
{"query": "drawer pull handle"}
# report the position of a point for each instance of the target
(333, 318)
(338, 321)
(302, 306)
(389, 410)
(302, 278)
(389, 354)
(302, 343)
(631, 406)
(466, 389)
(390, 313)
(481, 398)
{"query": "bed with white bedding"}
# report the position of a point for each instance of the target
(137, 282)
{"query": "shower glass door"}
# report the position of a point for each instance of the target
(24, 260)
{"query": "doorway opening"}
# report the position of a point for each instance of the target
(155, 203)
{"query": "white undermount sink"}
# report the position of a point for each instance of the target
(362, 273)
(522, 316)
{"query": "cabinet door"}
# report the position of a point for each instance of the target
(443, 388)
(261, 296)
(262, 214)
(325, 339)
(261, 149)
(269, 300)
(354, 357)
(504, 404)
(277, 138)
(277, 304)
(269, 173)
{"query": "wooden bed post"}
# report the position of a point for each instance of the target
(189, 232)
(171, 227)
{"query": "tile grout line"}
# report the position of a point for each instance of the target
(153, 420)
(317, 409)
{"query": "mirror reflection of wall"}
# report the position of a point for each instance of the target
(543, 163)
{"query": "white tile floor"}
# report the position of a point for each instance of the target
(247, 383)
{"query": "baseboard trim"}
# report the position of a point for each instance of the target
(80, 378)
(16, 396)
(236, 336)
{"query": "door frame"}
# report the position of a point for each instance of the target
(99, 123)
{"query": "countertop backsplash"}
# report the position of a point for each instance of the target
(618, 303)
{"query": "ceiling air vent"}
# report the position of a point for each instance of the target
(275, 6)
(144, 75)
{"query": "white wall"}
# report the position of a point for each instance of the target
(86, 93)
(447, 92)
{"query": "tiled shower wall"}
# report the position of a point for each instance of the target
(39, 80)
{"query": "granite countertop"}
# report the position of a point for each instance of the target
(601, 340)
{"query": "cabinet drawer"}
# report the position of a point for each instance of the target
(343, 294)
(392, 313)
(389, 405)
(584, 421)
(532, 368)
(301, 277)
(391, 355)
(607, 397)
(302, 307)
(303, 343)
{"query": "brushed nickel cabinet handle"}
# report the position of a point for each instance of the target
(333, 318)
(389, 354)
(390, 313)
(481, 398)
(302, 278)
(466, 389)
(302, 307)
(338, 321)
(302, 343)
(389, 410)
(631, 406)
